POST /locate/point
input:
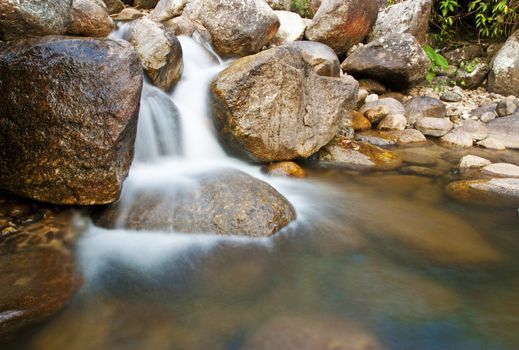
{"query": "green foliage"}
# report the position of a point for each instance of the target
(302, 7)
(438, 63)
(487, 18)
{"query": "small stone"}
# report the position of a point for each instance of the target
(393, 122)
(421, 171)
(470, 161)
(478, 112)
(361, 96)
(373, 86)
(505, 107)
(377, 113)
(451, 96)
(488, 116)
(371, 98)
(424, 106)
(492, 143)
(359, 122)
(289, 169)
(128, 14)
(432, 126)
(501, 170)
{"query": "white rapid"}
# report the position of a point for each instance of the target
(176, 139)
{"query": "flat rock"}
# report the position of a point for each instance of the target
(358, 155)
(505, 130)
(299, 332)
(431, 126)
(471, 161)
(225, 202)
(491, 143)
(502, 192)
(389, 138)
(501, 170)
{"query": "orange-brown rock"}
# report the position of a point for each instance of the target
(290, 169)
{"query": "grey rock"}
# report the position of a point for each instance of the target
(451, 96)
(478, 112)
(424, 106)
(487, 117)
(291, 28)
(504, 75)
(393, 122)
(505, 107)
(167, 9)
(464, 54)
(505, 130)
(474, 78)
(393, 106)
(470, 161)
(395, 60)
(501, 170)
(491, 143)
(431, 126)
(457, 138)
(410, 17)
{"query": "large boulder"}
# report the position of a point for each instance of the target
(237, 27)
(33, 18)
(68, 118)
(114, 6)
(90, 18)
(160, 52)
(396, 60)
(504, 69)
(340, 24)
(424, 106)
(506, 130)
(411, 16)
(226, 202)
(283, 103)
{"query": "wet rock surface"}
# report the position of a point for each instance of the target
(81, 100)
(302, 115)
(90, 18)
(38, 275)
(492, 192)
(226, 202)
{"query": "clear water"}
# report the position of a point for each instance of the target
(386, 251)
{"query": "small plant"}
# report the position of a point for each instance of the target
(302, 7)
(437, 62)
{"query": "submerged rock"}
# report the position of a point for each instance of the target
(340, 24)
(358, 155)
(504, 69)
(28, 18)
(72, 142)
(290, 169)
(90, 18)
(493, 192)
(38, 275)
(299, 332)
(237, 27)
(283, 103)
(410, 17)
(226, 202)
(160, 52)
(396, 60)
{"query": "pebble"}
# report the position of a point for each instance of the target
(451, 96)
(488, 116)
(505, 107)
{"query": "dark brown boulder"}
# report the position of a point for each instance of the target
(33, 18)
(68, 118)
(90, 18)
(340, 24)
(226, 202)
